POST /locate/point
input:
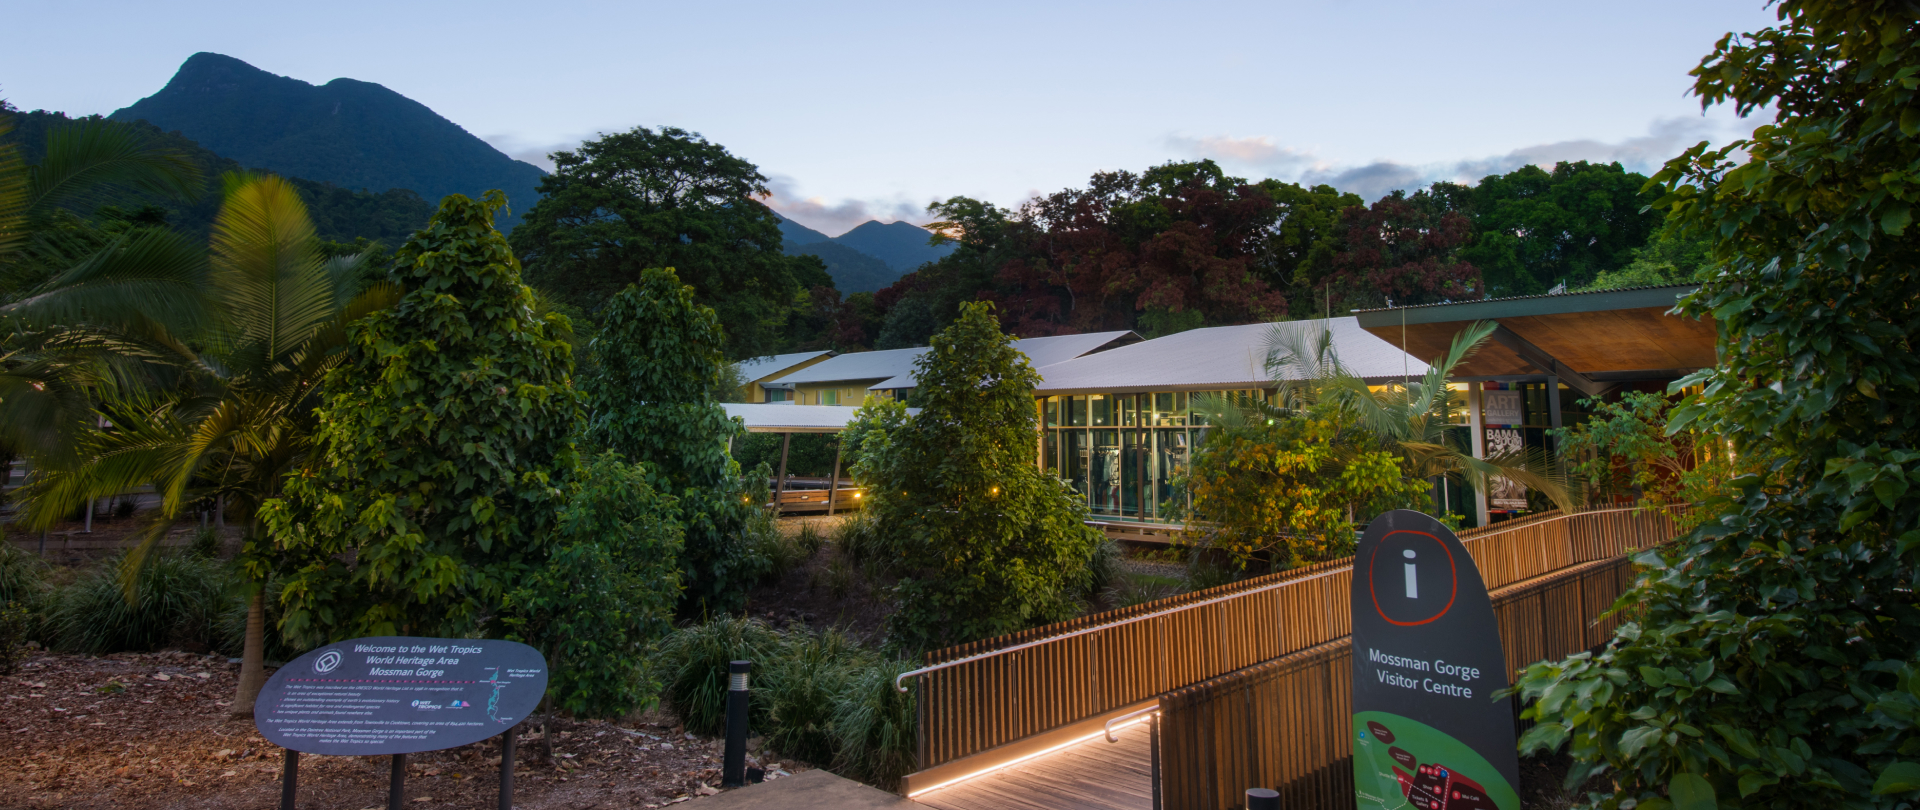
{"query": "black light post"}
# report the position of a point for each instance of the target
(733, 766)
(1263, 799)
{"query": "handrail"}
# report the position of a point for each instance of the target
(1108, 726)
(1203, 603)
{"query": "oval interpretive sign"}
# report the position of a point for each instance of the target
(400, 695)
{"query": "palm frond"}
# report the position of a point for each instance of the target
(89, 158)
(268, 274)
(146, 275)
(14, 183)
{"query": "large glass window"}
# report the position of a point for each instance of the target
(1079, 458)
(1104, 474)
(1100, 409)
(1052, 412)
(1076, 411)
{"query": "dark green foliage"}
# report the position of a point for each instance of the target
(606, 592)
(1301, 253)
(668, 198)
(816, 696)
(802, 687)
(176, 600)
(444, 447)
(16, 623)
(353, 134)
(1534, 228)
(986, 543)
(660, 361)
(1670, 258)
(1772, 660)
(23, 575)
(338, 213)
(874, 724)
(693, 665)
(810, 455)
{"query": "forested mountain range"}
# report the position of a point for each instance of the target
(339, 214)
(867, 258)
(351, 133)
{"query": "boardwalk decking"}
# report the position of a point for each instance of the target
(1091, 775)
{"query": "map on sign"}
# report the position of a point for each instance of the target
(1406, 763)
(400, 695)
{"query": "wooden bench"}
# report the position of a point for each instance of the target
(815, 500)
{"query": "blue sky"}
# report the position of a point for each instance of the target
(859, 111)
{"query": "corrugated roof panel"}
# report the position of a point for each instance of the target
(878, 365)
(1221, 357)
(1040, 351)
(753, 368)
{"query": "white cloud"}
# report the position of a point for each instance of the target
(1665, 138)
(1259, 150)
(530, 151)
(835, 218)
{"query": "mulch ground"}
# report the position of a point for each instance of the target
(150, 730)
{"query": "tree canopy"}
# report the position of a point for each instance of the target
(649, 198)
(1771, 660)
(660, 361)
(444, 447)
(986, 542)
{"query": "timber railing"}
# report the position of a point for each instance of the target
(1287, 723)
(975, 698)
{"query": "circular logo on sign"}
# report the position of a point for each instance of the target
(1412, 578)
(327, 661)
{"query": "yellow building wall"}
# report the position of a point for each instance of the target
(835, 393)
(752, 392)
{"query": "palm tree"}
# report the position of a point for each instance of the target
(103, 315)
(243, 421)
(1410, 417)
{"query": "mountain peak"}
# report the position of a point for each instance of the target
(348, 132)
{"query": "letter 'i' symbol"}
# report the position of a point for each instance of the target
(1413, 582)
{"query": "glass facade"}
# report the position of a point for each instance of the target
(1122, 452)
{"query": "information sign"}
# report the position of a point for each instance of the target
(1427, 661)
(400, 695)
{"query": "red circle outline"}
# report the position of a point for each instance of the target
(1454, 569)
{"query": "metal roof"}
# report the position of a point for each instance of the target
(1221, 357)
(754, 368)
(878, 365)
(1552, 303)
(1040, 351)
(784, 417)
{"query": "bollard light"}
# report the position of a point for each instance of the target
(1263, 799)
(733, 765)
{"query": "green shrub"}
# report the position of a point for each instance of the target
(177, 600)
(874, 725)
(1104, 568)
(694, 661)
(1136, 589)
(606, 593)
(233, 627)
(801, 686)
(858, 538)
(15, 623)
(23, 576)
(206, 543)
(1209, 571)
